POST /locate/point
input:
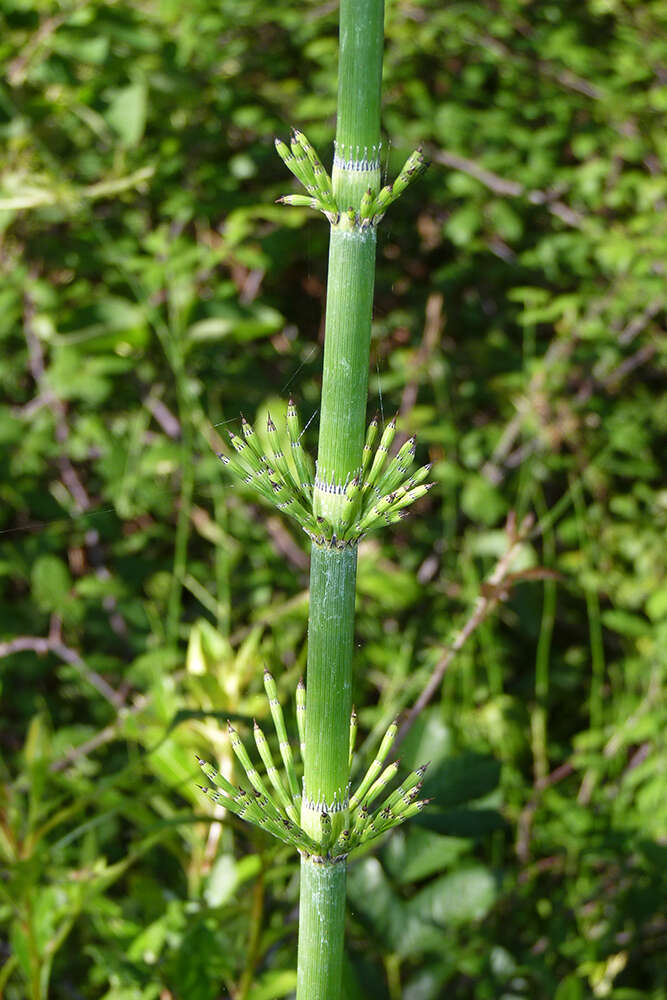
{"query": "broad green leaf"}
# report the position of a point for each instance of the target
(656, 606)
(482, 502)
(20, 942)
(371, 899)
(273, 984)
(222, 880)
(569, 988)
(626, 623)
(52, 585)
(458, 898)
(454, 823)
(414, 853)
(429, 740)
(461, 779)
(243, 324)
(127, 113)
(463, 224)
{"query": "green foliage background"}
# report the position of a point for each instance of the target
(152, 290)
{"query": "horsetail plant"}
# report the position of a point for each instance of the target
(278, 811)
(353, 488)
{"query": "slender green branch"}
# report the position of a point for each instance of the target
(182, 528)
(539, 715)
(254, 938)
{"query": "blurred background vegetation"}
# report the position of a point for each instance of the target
(152, 290)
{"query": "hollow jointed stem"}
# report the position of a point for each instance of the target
(328, 693)
(321, 926)
(345, 369)
(357, 159)
(356, 169)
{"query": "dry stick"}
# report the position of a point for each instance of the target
(54, 644)
(509, 189)
(495, 590)
(109, 732)
(18, 67)
(558, 352)
(432, 335)
(565, 77)
(611, 378)
(100, 738)
(524, 825)
(513, 189)
(614, 744)
(639, 323)
(285, 544)
(68, 473)
(609, 382)
(162, 415)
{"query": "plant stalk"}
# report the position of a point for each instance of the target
(321, 927)
(342, 424)
(329, 684)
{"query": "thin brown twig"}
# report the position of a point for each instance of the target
(286, 545)
(68, 472)
(53, 643)
(509, 189)
(505, 455)
(100, 738)
(562, 75)
(495, 589)
(640, 322)
(564, 770)
(608, 382)
(18, 67)
(161, 413)
(558, 351)
(433, 326)
(525, 822)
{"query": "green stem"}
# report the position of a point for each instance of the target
(183, 520)
(596, 705)
(222, 565)
(359, 92)
(329, 684)
(326, 764)
(345, 369)
(321, 926)
(256, 915)
(539, 720)
(342, 423)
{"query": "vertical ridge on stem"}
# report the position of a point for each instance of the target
(357, 160)
(345, 369)
(356, 171)
(321, 926)
(329, 690)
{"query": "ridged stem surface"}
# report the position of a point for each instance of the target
(329, 682)
(345, 371)
(359, 93)
(321, 929)
(342, 418)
